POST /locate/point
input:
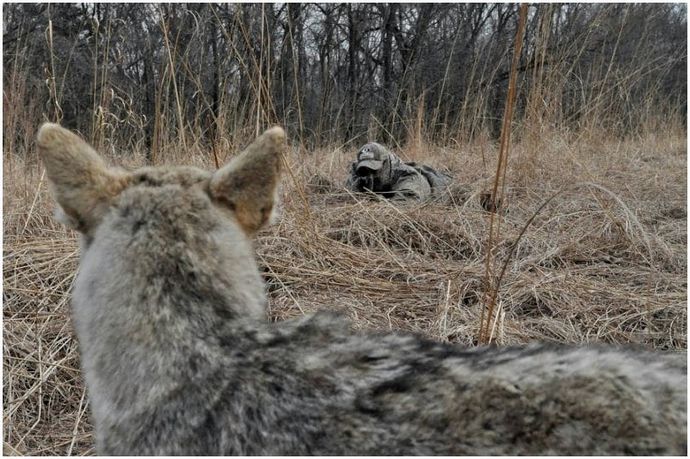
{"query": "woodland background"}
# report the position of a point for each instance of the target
(142, 75)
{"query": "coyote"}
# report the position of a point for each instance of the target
(178, 357)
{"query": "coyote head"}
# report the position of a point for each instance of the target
(163, 237)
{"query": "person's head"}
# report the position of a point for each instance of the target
(371, 158)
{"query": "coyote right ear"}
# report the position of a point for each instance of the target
(247, 185)
(81, 183)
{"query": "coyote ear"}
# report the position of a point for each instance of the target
(247, 185)
(80, 181)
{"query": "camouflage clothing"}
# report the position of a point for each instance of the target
(382, 172)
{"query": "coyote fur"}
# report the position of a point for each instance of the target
(179, 357)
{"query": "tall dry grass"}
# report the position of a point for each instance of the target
(603, 261)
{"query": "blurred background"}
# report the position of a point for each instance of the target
(149, 77)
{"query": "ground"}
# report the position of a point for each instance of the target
(603, 261)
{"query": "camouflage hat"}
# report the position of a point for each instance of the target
(371, 156)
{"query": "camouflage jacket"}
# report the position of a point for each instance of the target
(382, 172)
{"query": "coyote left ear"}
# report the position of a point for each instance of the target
(247, 185)
(80, 181)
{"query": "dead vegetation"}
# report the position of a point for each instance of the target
(603, 261)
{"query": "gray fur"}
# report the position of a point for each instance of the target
(169, 309)
(393, 179)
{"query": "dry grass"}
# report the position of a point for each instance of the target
(604, 261)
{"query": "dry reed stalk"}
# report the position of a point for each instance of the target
(57, 110)
(295, 77)
(173, 78)
(495, 199)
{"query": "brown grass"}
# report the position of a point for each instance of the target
(604, 261)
